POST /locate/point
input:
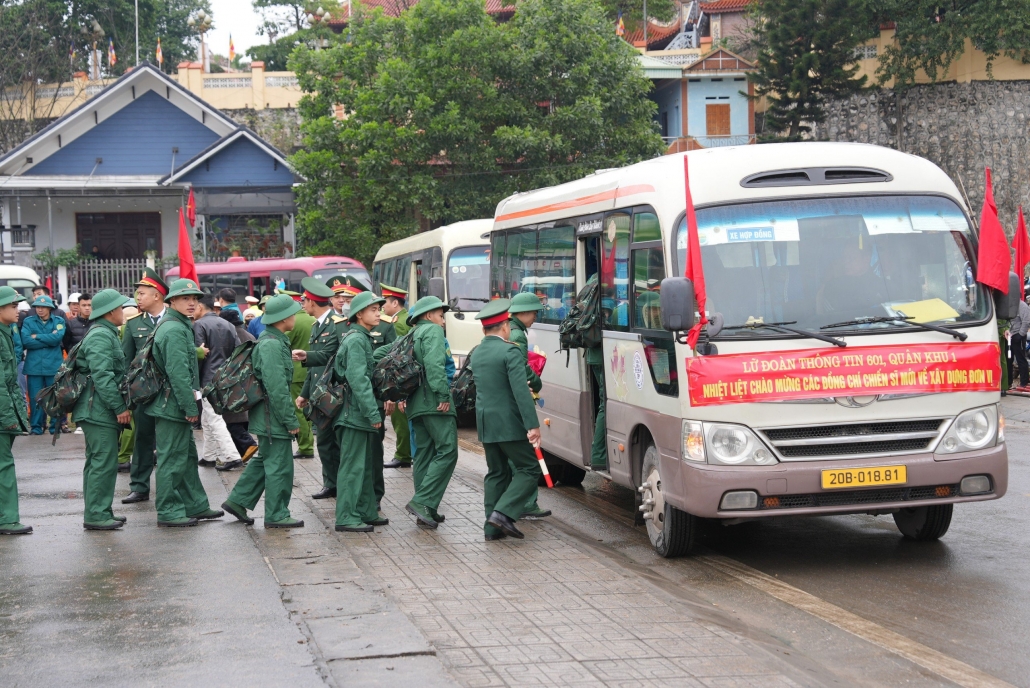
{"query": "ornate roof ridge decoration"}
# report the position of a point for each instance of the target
(720, 60)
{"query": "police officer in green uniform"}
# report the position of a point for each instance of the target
(151, 291)
(299, 336)
(432, 414)
(358, 421)
(522, 314)
(506, 421)
(14, 417)
(395, 312)
(101, 410)
(181, 500)
(273, 421)
(322, 344)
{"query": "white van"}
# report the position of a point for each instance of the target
(23, 279)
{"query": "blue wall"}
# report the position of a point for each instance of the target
(138, 139)
(701, 93)
(240, 164)
(667, 95)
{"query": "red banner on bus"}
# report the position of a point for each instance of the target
(854, 371)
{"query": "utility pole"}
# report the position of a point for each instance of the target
(645, 26)
(137, 33)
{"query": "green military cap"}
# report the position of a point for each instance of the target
(314, 289)
(9, 295)
(150, 278)
(44, 301)
(363, 301)
(279, 307)
(423, 306)
(264, 300)
(525, 302)
(494, 312)
(182, 287)
(105, 301)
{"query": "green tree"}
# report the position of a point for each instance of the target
(447, 112)
(633, 11)
(932, 34)
(806, 57)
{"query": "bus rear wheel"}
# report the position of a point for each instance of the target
(671, 531)
(924, 523)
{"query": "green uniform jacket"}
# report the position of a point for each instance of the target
(14, 418)
(354, 364)
(383, 334)
(400, 322)
(175, 352)
(431, 352)
(322, 344)
(518, 336)
(100, 357)
(134, 335)
(298, 338)
(505, 411)
(275, 416)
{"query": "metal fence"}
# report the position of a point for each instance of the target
(93, 275)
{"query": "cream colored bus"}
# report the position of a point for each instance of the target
(850, 363)
(451, 262)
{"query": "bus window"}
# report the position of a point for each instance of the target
(615, 270)
(22, 286)
(468, 271)
(377, 277)
(555, 273)
(436, 263)
(402, 275)
(289, 280)
(236, 281)
(659, 346)
(497, 278)
(259, 286)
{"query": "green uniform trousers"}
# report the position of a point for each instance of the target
(269, 471)
(8, 482)
(100, 472)
(143, 452)
(329, 455)
(125, 442)
(305, 440)
(599, 450)
(179, 491)
(512, 472)
(378, 482)
(400, 427)
(436, 455)
(355, 499)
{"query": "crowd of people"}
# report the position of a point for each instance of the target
(191, 336)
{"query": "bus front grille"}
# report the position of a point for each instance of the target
(854, 439)
(859, 497)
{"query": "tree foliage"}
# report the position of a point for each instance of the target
(805, 57)
(633, 11)
(448, 112)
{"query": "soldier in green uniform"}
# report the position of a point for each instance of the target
(101, 410)
(358, 421)
(522, 314)
(299, 336)
(393, 308)
(432, 414)
(273, 421)
(151, 291)
(322, 344)
(14, 417)
(181, 500)
(507, 423)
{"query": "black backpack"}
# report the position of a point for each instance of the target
(235, 388)
(143, 380)
(463, 388)
(398, 374)
(581, 328)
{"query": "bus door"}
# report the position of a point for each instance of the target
(428, 263)
(590, 242)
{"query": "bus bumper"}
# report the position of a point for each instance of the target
(795, 488)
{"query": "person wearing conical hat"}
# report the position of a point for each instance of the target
(41, 336)
(100, 410)
(506, 421)
(151, 291)
(181, 500)
(14, 418)
(394, 311)
(298, 336)
(521, 315)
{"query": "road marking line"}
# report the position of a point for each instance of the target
(928, 658)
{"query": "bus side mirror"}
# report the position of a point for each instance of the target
(677, 304)
(1007, 305)
(436, 287)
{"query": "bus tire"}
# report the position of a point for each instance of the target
(924, 523)
(672, 532)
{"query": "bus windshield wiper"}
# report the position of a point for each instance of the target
(961, 336)
(781, 327)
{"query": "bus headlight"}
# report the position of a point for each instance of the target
(735, 445)
(973, 429)
(693, 441)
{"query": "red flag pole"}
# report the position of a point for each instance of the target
(694, 270)
(1021, 243)
(187, 268)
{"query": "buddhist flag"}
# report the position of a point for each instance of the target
(1021, 243)
(157, 53)
(112, 59)
(620, 26)
(191, 209)
(187, 268)
(232, 51)
(993, 260)
(694, 270)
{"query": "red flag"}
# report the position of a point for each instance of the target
(191, 209)
(695, 271)
(1021, 242)
(994, 259)
(49, 285)
(187, 269)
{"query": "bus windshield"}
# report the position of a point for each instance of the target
(834, 261)
(468, 277)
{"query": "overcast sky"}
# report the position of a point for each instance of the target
(236, 17)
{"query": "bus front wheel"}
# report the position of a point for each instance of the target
(924, 523)
(670, 530)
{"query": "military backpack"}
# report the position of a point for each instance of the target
(398, 374)
(70, 383)
(463, 388)
(581, 328)
(235, 388)
(143, 380)
(327, 395)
